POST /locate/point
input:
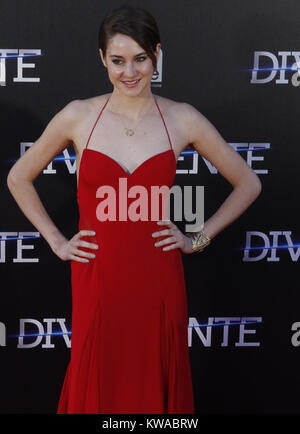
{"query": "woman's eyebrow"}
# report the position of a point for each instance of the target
(116, 55)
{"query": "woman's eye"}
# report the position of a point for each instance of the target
(139, 59)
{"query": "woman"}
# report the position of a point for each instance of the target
(129, 349)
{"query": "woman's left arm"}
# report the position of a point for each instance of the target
(209, 144)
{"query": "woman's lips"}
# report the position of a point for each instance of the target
(131, 83)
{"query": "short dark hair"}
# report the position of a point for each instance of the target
(135, 22)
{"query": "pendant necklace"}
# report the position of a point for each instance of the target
(130, 131)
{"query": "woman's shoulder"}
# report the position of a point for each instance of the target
(182, 114)
(81, 105)
(168, 103)
(178, 109)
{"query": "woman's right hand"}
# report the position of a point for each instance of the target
(68, 249)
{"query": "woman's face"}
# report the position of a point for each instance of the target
(126, 61)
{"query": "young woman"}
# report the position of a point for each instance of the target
(129, 349)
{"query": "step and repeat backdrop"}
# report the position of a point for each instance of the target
(237, 63)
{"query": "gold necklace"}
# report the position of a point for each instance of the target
(130, 131)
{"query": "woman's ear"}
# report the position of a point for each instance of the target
(158, 47)
(102, 57)
(157, 52)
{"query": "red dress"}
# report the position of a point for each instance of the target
(129, 351)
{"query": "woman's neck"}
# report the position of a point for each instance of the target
(134, 107)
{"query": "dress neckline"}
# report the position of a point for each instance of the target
(124, 169)
(129, 174)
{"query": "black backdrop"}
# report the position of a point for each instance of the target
(243, 295)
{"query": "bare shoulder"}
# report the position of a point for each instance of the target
(83, 113)
(186, 112)
(169, 106)
(184, 117)
(176, 111)
(194, 124)
(78, 107)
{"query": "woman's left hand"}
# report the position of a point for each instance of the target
(177, 238)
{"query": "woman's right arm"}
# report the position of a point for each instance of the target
(57, 135)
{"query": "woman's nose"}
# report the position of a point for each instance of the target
(129, 70)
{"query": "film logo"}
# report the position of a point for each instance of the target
(284, 67)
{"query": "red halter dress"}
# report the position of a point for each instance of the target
(129, 345)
